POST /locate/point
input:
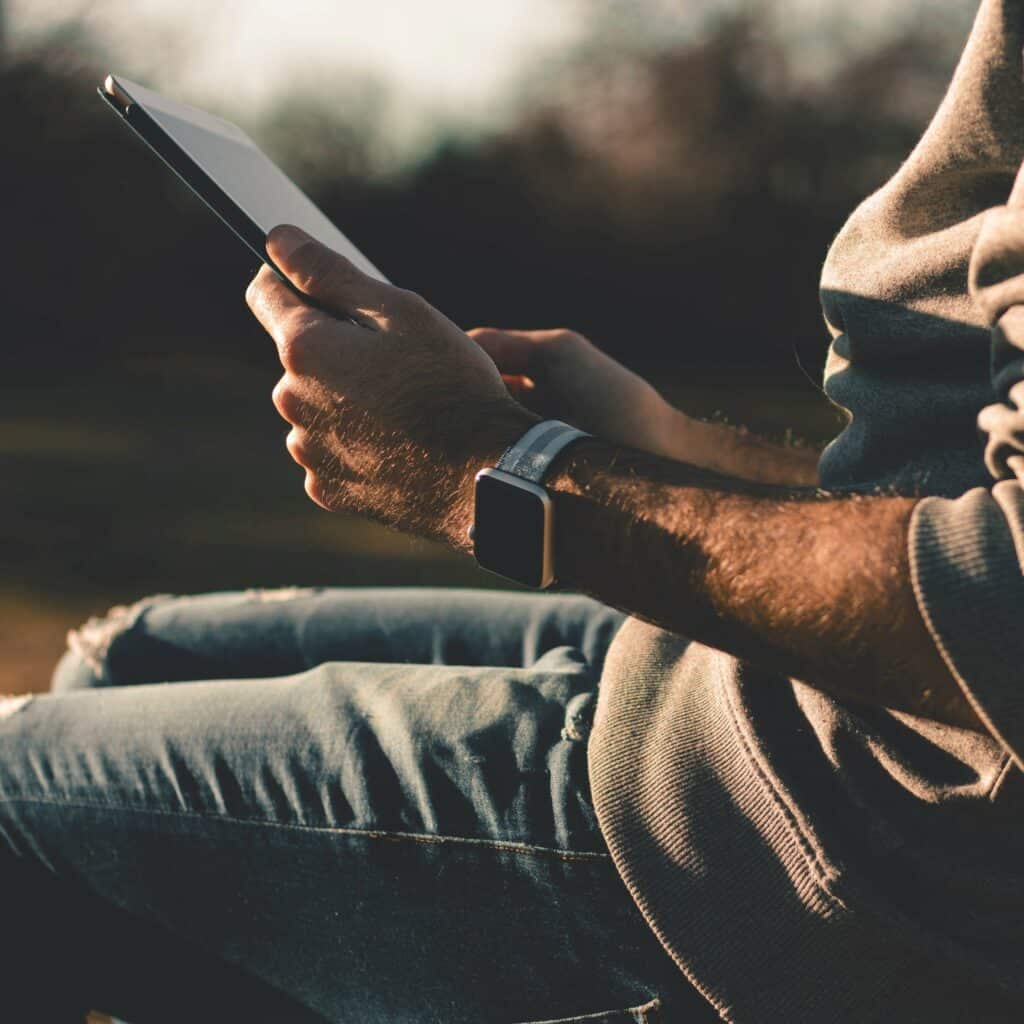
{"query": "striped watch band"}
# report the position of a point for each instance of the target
(534, 452)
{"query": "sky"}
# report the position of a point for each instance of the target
(448, 52)
(456, 60)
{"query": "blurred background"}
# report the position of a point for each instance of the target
(610, 165)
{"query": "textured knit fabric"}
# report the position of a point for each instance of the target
(969, 552)
(803, 859)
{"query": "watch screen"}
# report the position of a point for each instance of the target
(508, 535)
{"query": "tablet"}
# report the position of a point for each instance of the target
(226, 169)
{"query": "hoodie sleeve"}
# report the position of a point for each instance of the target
(967, 553)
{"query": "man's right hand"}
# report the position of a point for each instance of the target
(559, 374)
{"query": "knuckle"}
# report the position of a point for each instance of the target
(286, 400)
(412, 301)
(255, 293)
(314, 490)
(297, 345)
(557, 346)
(567, 339)
(296, 444)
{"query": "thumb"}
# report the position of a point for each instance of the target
(327, 277)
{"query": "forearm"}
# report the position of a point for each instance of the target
(808, 585)
(739, 453)
(811, 586)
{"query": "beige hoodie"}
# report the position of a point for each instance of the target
(805, 860)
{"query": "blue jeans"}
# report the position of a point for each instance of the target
(352, 805)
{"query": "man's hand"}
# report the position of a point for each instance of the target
(561, 375)
(391, 416)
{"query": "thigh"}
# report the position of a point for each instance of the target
(372, 842)
(261, 633)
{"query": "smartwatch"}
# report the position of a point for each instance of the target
(513, 531)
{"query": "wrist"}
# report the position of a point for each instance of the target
(513, 530)
(683, 438)
(497, 432)
(490, 434)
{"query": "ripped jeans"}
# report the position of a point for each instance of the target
(351, 805)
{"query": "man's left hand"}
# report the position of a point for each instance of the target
(393, 414)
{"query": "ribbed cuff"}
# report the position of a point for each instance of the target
(970, 590)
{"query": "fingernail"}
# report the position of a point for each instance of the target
(285, 239)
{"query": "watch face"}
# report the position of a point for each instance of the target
(510, 529)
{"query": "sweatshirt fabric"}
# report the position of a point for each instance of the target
(806, 859)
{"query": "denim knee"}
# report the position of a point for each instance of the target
(84, 664)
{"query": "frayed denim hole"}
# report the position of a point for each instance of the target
(12, 705)
(93, 640)
(579, 716)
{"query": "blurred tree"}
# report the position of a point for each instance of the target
(323, 132)
(641, 185)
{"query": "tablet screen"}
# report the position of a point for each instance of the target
(233, 162)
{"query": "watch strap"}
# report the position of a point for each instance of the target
(531, 456)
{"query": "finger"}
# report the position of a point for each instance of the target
(306, 338)
(292, 403)
(512, 351)
(275, 305)
(520, 388)
(295, 445)
(316, 491)
(326, 276)
(304, 449)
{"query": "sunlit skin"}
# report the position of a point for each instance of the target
(676, 522)
(562, 375)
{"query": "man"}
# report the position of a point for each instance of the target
(806, 753)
